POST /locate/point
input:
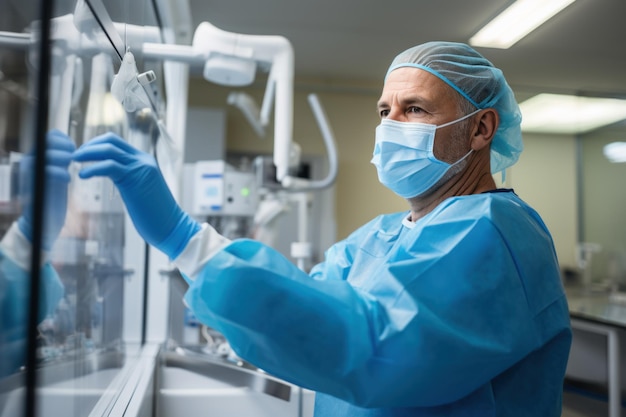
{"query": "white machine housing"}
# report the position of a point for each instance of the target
(214, 188)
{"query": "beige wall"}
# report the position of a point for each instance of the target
(544, 177)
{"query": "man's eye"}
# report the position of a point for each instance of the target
(414, 109)
(383, 113)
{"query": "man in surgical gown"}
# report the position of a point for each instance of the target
(453, 308)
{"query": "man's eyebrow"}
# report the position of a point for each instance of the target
(412, 99)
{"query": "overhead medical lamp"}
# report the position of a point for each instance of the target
(227, 70)
(231, 59)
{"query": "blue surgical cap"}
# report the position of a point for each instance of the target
(482, 84)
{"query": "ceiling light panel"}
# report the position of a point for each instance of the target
(558, 113)
(517, 21)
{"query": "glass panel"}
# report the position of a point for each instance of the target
(17, 117)
(604, 205)
(94, 259)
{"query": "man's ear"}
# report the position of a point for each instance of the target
(484, 129)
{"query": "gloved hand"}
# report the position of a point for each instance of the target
(152, 208)
(59, 148)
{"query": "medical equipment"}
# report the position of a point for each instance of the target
(224, 196)
(232, 59)
(228, 59)
(216, 188)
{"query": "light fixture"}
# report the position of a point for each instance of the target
(559, 113)
(615, 152)
(517, 21)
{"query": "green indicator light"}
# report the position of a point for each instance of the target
(245, 191)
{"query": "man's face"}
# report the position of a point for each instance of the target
(414, 95)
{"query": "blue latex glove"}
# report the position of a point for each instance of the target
(59, 149)
(152, 208)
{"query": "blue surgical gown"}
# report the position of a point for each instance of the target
(14, 309)
(461, 313)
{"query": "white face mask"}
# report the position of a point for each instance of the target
(404, 158)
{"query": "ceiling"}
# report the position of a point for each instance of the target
(581, 50)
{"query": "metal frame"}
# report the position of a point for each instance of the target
(613, 360)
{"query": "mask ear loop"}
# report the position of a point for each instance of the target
(503, 172)
(467, 116)
(460, 119)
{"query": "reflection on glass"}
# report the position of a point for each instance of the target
(16, 112)
(80, 348)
